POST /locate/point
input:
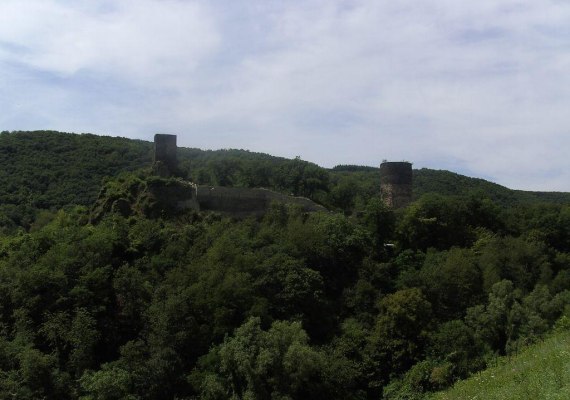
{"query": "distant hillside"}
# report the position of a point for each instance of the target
(449, 183)
(540, 372)
(51, 169)
(47, 169)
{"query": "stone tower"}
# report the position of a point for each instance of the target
(396, 183)
(165, 161)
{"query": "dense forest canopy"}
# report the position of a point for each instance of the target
(363, 302)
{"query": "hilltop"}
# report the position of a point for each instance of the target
(48, 169)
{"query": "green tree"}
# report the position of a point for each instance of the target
(274, 364)
(398, 338)
(109, 383)
(452, 282)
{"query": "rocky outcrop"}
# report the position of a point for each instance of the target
(145, 196)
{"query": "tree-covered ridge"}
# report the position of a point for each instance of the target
(381, 304)
(449, 183)
(47, 169)
(353, 168)
(362, 303)
(52, 169)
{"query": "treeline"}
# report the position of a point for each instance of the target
(380, 304)
(47, 170)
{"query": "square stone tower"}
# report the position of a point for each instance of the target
(165, 160)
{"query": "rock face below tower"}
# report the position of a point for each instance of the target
(165, 161)
(396, 183)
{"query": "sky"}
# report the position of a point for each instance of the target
(481, 88)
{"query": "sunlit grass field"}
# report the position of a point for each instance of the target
(541, 372)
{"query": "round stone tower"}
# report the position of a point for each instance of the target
(396, 183)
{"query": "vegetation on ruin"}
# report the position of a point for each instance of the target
(152, 305)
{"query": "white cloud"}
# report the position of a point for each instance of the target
(477, 85)
(145, 41)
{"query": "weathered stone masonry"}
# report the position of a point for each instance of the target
(396, 183)
(395, 187)
(239, 202)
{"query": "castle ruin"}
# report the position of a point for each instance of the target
(165, 160)
(396, 183)
(395, 187)
(238, 202)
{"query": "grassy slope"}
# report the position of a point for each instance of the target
(539, 372)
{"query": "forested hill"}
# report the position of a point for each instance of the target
(52, 169)
(449, 183)
(363, 303)
(48, 169)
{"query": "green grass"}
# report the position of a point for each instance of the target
(539, 372)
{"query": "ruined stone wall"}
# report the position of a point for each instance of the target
(173, 194)
(396, 183)
(234, 201)
(245, 201)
